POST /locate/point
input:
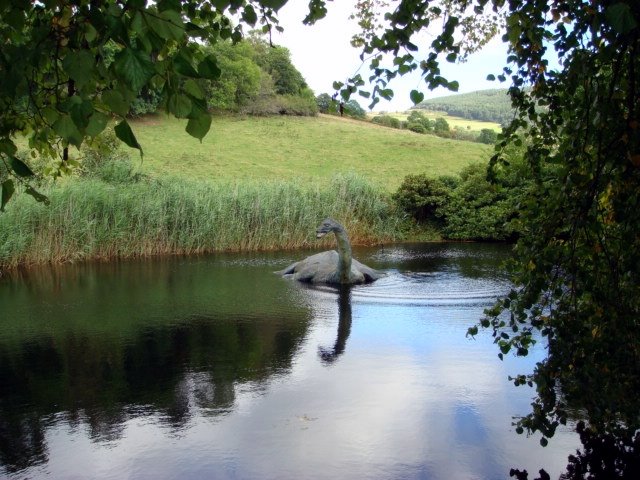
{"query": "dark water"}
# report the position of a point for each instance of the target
(213, 367)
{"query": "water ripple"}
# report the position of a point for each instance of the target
(431, 289)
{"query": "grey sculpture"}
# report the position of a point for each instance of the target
(333, 267)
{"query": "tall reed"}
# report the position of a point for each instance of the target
(92, 219)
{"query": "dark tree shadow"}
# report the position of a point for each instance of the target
(330, 355)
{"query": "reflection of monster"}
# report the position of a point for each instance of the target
(329, 356)
(335, 267)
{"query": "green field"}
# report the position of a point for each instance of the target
(304, 148)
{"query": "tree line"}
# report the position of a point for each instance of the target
(256, 78)
(418, 122)
(492, 105)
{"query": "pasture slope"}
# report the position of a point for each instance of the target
(309, 149)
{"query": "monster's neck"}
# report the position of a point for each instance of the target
(344, 255)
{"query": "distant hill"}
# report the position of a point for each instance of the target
(486, 105)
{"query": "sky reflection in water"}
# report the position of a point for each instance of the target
(213, 367)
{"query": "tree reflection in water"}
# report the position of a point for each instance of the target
(171, 372)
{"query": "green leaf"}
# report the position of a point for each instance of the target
(491, 77)
(79, 65)
(454, 86)
(167, 25)
(8, 147)
(134, 67)
(80, 113)
(182, 65)
(416, 96)
(208, 68)
(337, 85)
(386, 93)
(175, 23)
(199, 126)
(221, 5)
(123, 132)
(38, 197)
(115, 102)
(97, 124)
(249, 15)
(50, 114)
(66, 129)
(20, 168)
(193, 88)
(7, 192)
(90, 33)
(179, 105)
(273, 4)
(620, 17)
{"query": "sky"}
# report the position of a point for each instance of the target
(323, 54)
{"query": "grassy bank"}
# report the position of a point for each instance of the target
(305, 148)
(92, 219)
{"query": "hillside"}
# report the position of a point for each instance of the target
(307, 148)
(485, 105)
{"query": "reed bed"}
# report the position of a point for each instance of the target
(92, 219)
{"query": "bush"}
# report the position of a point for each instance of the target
(423, 197)
(418, 122)
(441, 128)
(416, 127)
(479, 209)
(469, 206)
(353, 109)
(460, 134)
(487, 136)
(326, 104)
(387, 121)
(283, 105)
(145, 103)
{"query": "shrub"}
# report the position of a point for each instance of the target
(460, 134)
(301, 105)
(470, 206)
(386, 121)
(422, 197)
(353, 109)
(479, 209)
(416, 118)
(416, 127)
(487, 136)
(326, 104)
(145, 103)
(441, 127)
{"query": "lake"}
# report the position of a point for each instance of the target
(214, 367)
